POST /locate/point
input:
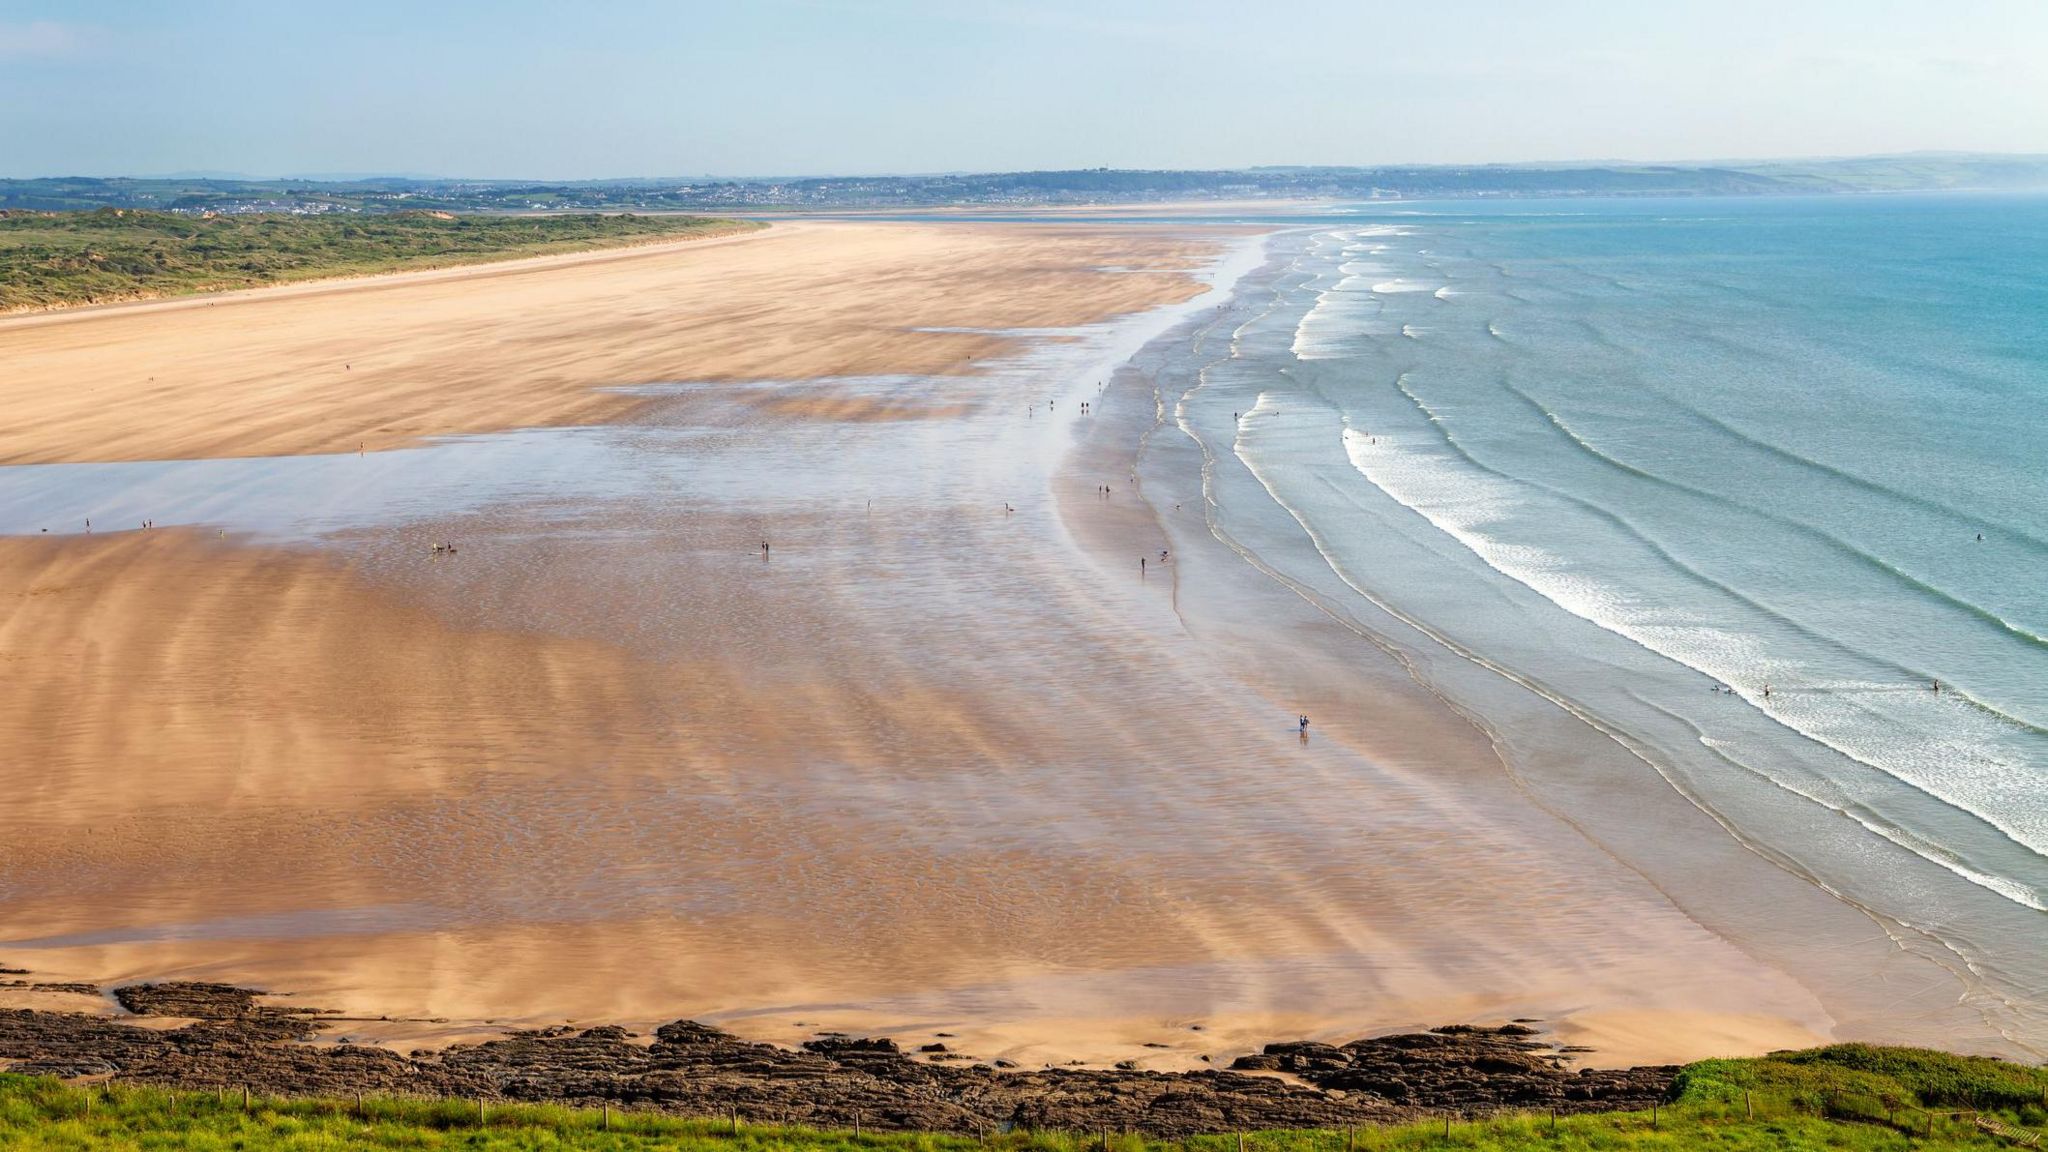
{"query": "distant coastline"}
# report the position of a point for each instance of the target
(1918, 172)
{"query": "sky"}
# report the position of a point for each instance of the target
(689, 88)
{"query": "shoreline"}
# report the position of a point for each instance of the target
(199, 1036)
(948, 792)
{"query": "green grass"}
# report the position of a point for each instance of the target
(52, 260)
(1862, 1078)
(1846, 1098)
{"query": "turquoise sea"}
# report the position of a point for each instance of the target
(1735, 482)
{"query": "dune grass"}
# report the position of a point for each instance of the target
(1787, 1107)
(57, 259)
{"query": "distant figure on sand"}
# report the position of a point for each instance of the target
(1303, 722)
(764, 549)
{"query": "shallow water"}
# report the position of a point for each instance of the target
(1633, 452)
(1479, 458)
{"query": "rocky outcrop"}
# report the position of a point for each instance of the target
(833, 1081)
(1463, 1068)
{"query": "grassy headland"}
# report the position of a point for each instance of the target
(1850, 1097)
(51, 260)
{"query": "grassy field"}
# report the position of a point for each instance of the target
(1850, 1098)
(50, 260)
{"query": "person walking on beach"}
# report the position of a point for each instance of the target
(764, 549)
(1303, 722)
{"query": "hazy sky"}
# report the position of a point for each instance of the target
(636, 87)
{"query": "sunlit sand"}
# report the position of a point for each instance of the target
(941, 757)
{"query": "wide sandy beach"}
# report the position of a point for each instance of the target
(940, 757)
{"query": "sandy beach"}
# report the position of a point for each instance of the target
(941, 757)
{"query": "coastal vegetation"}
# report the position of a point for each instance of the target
(50, 260)
(1850, 1097)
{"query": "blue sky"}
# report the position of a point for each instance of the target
(523, 88)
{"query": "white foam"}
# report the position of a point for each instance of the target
(1939, 746)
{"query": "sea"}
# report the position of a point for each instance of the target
(1755, 489)
(1737, 506)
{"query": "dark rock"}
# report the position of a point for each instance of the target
(847, 1046)
(198, 1001)
(691, 1068)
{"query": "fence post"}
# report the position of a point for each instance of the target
(856, 1125)
(1240, 1142)
(245, 1097)
(1748, 1113)
(1447, 1125)
(1653, 1117)
(735, 1119)
(605, 1115)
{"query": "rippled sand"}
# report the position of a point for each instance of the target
(943, 759)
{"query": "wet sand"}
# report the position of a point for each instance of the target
(932, 764)
(380, 362)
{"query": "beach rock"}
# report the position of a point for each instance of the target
(692, 1068)
(195, 1000)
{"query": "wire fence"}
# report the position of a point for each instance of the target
(738, 1126)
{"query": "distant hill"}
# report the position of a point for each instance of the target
(1915, 172)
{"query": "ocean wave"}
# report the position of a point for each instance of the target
(1851, 551)
(1937, 745)
(2006, 531)
(1835, 799)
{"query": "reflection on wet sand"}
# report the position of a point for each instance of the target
(929, 763)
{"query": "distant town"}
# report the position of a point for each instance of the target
(202, 196)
